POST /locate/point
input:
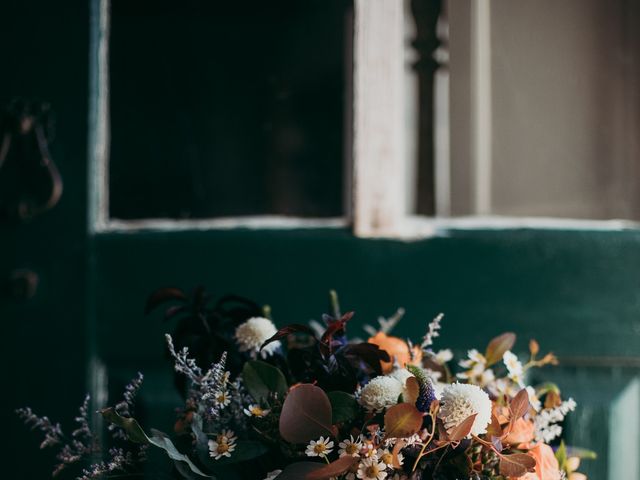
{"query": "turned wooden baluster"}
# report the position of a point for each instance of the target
(426, 14)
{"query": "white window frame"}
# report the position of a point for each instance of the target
(378, 169)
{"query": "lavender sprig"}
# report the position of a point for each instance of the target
(53, 434)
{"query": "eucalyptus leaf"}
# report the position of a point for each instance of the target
(161, 440)
(131, 427)
(343, 405)
(260, 379)
(135, 433)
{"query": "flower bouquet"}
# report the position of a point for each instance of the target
(307, 402)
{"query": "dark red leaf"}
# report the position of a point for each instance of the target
(288, 330)
(173, 311)
(306, 414)
(402, 420)
(369, 353)
(463, 429)
(516, 464)
(335, 326)
(520, 405)
(161, 296)
(498, 346)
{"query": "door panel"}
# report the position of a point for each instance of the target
(572, 291)
(44, 55)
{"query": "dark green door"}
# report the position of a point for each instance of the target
(576, 291)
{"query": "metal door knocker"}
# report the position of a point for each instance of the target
(30, 183)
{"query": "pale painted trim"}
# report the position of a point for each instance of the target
(378, 101)
(481, 104)
(267, 222)
(415, 227)
(99, 135)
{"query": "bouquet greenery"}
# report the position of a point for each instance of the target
(307, 402)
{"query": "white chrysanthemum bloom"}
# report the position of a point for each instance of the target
(385, 456)
(320, 448)
(514, 367)
(252, 334)
(460, 401)
(272, 475)
(350, 446)
(380, 393)
(256, 411)
(372, 469)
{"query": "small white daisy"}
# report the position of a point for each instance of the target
(350, 446)
(372, 469)
(514, 367)
(533, 399)
(256, 411)
(320, 448)
(443, 356)
(226, 436)
(385, 456)
(217, 450)
(222, 398)
(252, 334)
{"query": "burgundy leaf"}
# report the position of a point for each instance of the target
(288, 330)
(369, 353)
(335, 326)
(161, 296)
(516, 464)
(519, 406)
(463, 429)
(173, 311)
(306, 414)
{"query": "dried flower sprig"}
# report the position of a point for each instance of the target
(432, 332)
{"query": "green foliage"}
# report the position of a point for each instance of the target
(136, 434)
(261, 379)
(343, 405)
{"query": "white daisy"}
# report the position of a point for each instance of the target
(256, 411)
(533, 399)
(222, 398)
(477, 371)
(217, 450)
(443, 356)
(226, 436)
(380, 393)
(460, 401)
(386, 457)
(350, 446)
(320, 448)
(252, 334)
(514, 367)
(372, 469)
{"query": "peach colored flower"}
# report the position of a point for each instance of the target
(547, 467)
(397, 349)
(522, 432)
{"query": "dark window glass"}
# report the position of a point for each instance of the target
(227, 108)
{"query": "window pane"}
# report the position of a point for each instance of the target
(227, 108)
